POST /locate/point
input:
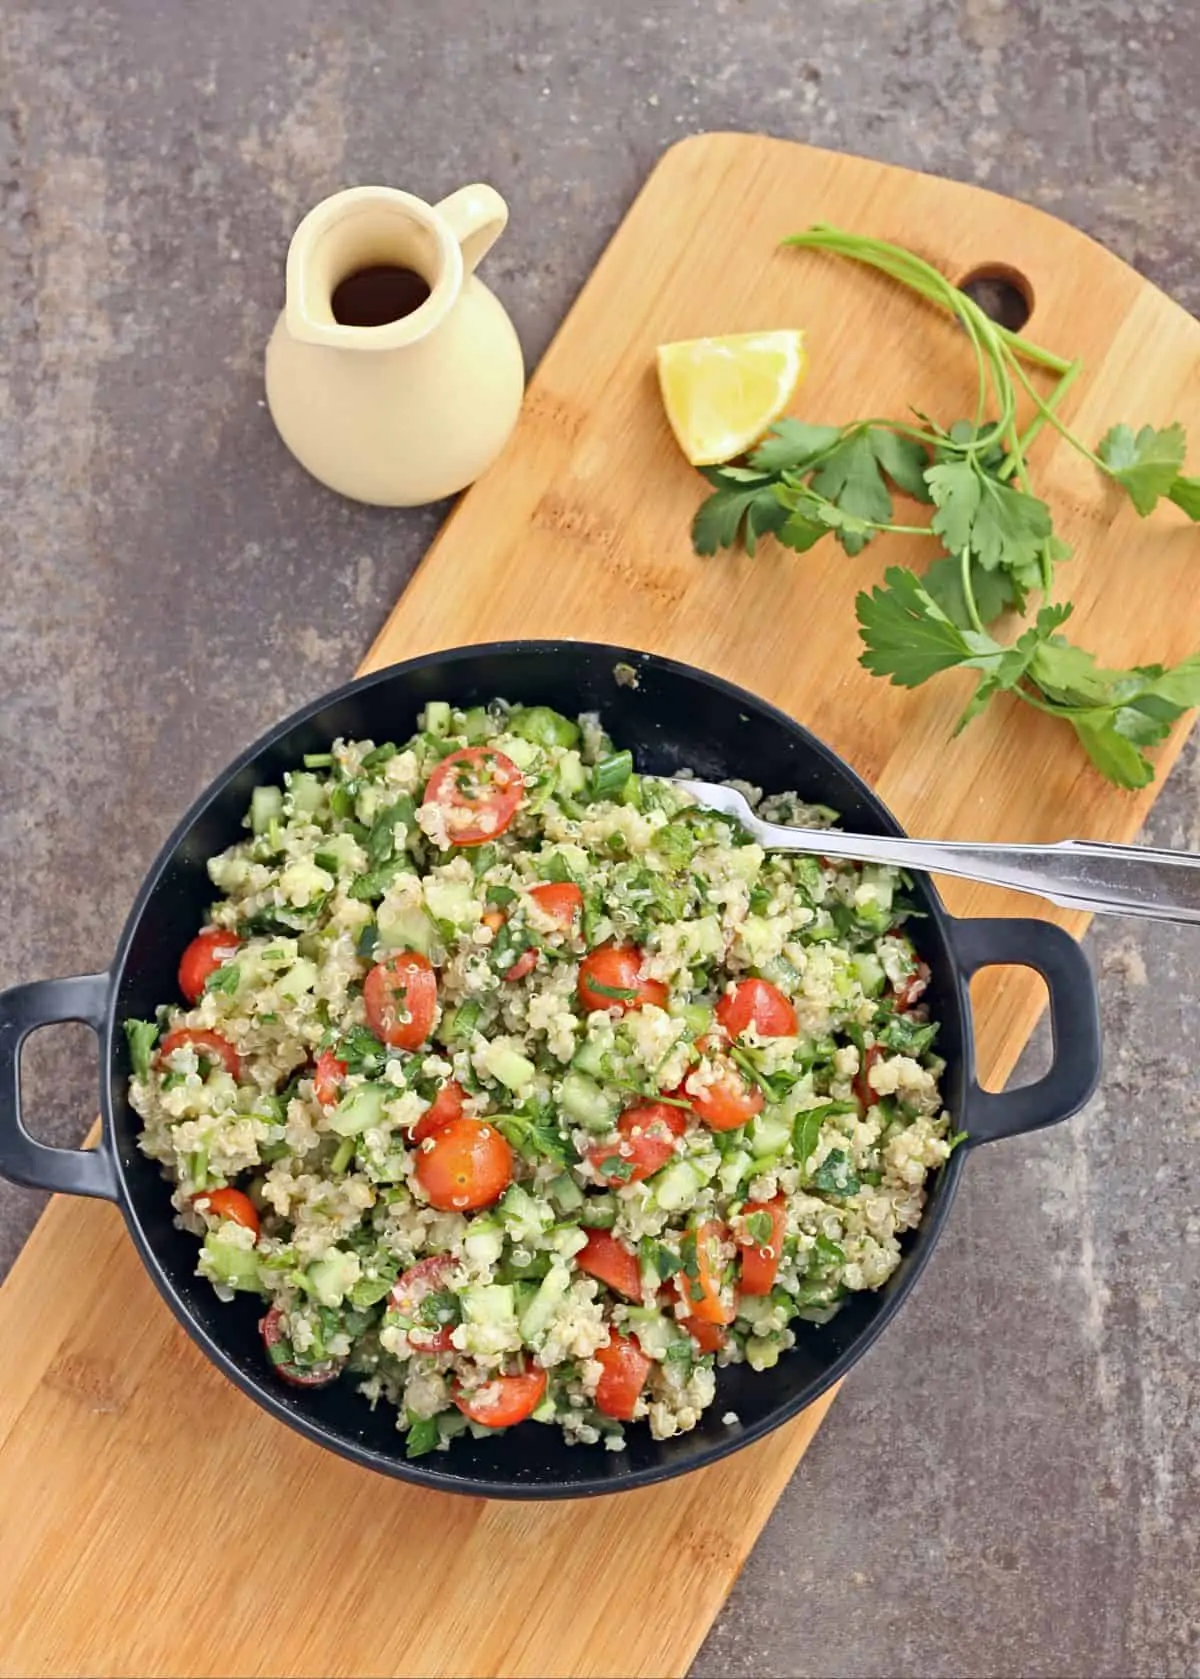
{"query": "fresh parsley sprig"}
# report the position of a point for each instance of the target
(996, 537)
(908, 639)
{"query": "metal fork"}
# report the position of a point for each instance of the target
(1078, 874)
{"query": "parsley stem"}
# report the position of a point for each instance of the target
(1046, 412)
(964, 561)
(1025, 441)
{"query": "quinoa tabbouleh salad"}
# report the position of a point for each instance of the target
(518, 1086)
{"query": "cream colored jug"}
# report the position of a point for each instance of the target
(416, 408)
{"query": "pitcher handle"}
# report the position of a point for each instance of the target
(477, 216)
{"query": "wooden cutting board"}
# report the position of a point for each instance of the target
(152, 1521)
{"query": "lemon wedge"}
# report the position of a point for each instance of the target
(721, 394)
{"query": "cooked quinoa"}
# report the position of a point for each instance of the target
(518, 1086)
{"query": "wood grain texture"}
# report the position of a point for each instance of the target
(152, 1521)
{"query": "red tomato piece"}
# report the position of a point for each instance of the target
(505, 1400)
(709, 1337)
(464, 1165)
(612, 1262)
(647, 1141)
(446, 1105)
(427, 1276)
(205, 954)
(299, 1375)
(562, 900)
(478, 791)
(327, 1077)
(229, 1203)
(618, 969)
(400, 997)
(757, 1003)
(760, 1260)
(863, 1094)
(728, 1101)
(625, 1370)
(209, 1044)
(525, 963)
(703, 1291)
(910, 991)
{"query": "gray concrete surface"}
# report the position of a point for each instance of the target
(1009, 1484)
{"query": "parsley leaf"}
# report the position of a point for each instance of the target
(1001, 526)
(908, 638)
(535, 1136)
(835, 1175)
(141, 1036)
(1146, 464)
(1185, 493)
(737, 508)
(790, 443)
(994, 592)
(225, 978)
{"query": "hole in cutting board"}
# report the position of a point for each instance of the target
(1003, 293)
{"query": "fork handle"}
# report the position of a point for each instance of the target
(1078, 874)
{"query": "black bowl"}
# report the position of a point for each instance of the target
(674, 718)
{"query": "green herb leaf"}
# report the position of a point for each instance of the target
(224, 979)
(736, 509)
(1146, 464)
(423, 1436)
(908, 637)
(1185, 493)
(618, 993)
(141, 1035)
(835, 1175)
(760, 1227)
(1001, 527)
(535, 1135)
(790, 444)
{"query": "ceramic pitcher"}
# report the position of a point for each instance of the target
(393, 374)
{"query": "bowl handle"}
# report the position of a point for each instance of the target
(1074, 1022)
(23, 1008)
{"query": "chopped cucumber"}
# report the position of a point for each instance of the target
(360, 1109)
(306, 790)
(299, 978)
(590, 1058)
(234, 1266)
(599, 1212)
(735, 1169)
(697, 1017)
(544, 726)
(333, 1277)
(567, 1239)
(476, 725)
(655, 1331)
(762, 1352)
(405, 929)
(508, 1066)
(453, 901)
(586, 1104)
(538, 1315)
(769, 1133)
(266, 806)
(524, 1218)
(677, 1185)
(572, 776)
(565, 1193)
(489, 1303)
(868, 970)
(437, 718)
(483, 1242)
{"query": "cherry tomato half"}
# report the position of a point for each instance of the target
(446, 1105)
(612, 1262)
(728, 1101)
(703, 1291)
(204, 956)
(505, 1400)
(278, 1347)
(229, 1203)
(910, 991)
(610, 977)
(464, 1165)
(478, 791)
(327, 1077)
(561, 900)
(757, 1003)
(400, 997)
(760, 1260)
(625, 1370)
(426, 1277)
(209, 1044)
(647, 1141)
(525, 963)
